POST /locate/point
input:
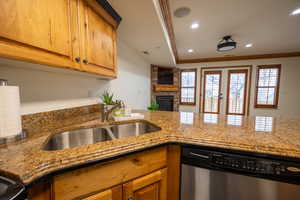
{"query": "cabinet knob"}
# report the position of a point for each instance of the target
(85, 61)
(77, 59)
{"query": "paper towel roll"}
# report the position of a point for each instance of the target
(10, 118)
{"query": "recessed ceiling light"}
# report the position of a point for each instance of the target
(191, 50)
(296, 12)
(194, 26)
(248, 45)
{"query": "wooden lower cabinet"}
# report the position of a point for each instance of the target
(105, 195)
(149, 175)
(98, 177)
(149, 187)
(41, 190)
(114, 193)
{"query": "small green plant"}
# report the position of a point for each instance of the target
(107, 98)
(153, 106)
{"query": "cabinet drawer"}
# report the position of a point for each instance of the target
(114, 193)
(105, 175)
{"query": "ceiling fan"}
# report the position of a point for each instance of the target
(226, 44)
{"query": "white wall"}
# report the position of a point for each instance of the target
(45, 88)
(289, 97)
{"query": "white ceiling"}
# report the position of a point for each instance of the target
(265, 23)
(141, 29)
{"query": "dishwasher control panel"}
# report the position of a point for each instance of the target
(248, 164)
(241, 163)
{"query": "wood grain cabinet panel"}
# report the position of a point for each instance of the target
(114, 193)
(148, 175)
(98, 177)
(100, 44)
(149, 192)
(38, 31)
(106, 195)
(63, 33)
(174, 154)
(149, 187)
(41, 190)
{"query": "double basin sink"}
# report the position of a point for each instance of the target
(80, 137)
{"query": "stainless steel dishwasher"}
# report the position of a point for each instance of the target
(219, 175)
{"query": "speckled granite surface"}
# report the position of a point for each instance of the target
(26, 160)
(45, 121)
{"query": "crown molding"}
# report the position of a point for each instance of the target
(236, 58)
(166, 12)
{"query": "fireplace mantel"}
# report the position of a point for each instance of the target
(166, 88)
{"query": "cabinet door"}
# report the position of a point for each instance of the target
(38, 31)
(100, 44)
(114, 193)
(149, 187)
(40, 190)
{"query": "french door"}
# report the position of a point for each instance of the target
(212, 91)
(225, 90)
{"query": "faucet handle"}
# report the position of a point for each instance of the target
(120, 103)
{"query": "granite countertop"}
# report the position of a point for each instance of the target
(26, 161)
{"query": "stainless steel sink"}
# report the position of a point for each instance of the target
(81, 137)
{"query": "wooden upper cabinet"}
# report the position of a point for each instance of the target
(76, 34)
(100, 43)
(37, 31)
(149, 187)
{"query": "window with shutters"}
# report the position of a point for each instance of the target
(267, 86)
(188, 86)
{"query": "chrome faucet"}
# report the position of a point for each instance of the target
(106, 111)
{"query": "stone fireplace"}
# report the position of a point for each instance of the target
(165, 87)
(165, 103)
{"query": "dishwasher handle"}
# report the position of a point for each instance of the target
(199, 155)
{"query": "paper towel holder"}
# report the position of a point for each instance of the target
(22, 135)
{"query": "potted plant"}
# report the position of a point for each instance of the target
(108, 99)
(153, 106)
